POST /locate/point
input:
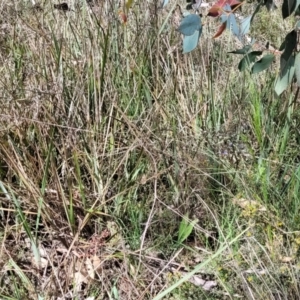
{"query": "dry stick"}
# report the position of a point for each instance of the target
(152, 208)
(165, 267)
(14, 210)
(139, 136)
(51, 124)
(86, 219)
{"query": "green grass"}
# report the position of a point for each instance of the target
(130, 171)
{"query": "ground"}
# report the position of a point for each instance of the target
(131, 171)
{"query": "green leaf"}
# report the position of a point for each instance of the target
(289, 44)
(232, 25)
(201, 266)
(282, 46)
(286, 76)
(241, 51)
(262, 64)
(190, 42)
(185, 229)
(245, 26)
(270, 5)
(11, 196)
(289, 7)
(248, 60)
(11, 264)
(239, 30)
(190, 24)
(165, 2)
(297, 68)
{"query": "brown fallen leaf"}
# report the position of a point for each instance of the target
(96, 262)
(245, 203)
(90, 268)
(207, 285)
(286, 259)
(79, 279)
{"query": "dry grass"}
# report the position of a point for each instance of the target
(110, 137)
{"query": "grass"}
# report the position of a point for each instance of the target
(131, 171)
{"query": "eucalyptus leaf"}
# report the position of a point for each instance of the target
(289, 45)
(270, 5)
(262, 64)
(232, 25)
(297, 68)
(190, 42)
(286, 76)
(241, 51)
(165, 2)
(288, 7)
(190, 24)
(248, 59)
(245, 25)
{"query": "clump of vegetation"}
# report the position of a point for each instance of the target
(131, 171)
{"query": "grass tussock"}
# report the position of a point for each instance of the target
(131, 171)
